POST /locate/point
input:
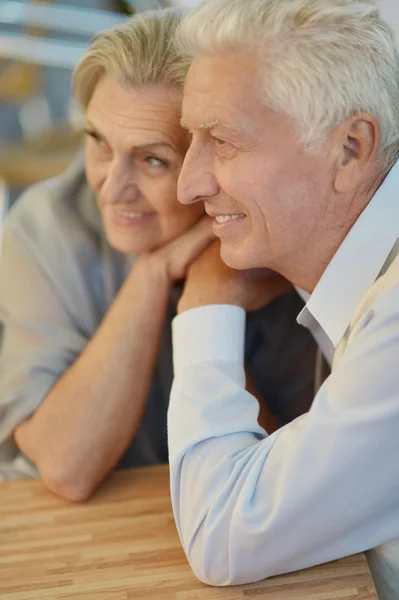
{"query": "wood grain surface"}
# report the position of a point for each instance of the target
(122, 544)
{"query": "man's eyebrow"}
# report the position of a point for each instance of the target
(208, 125)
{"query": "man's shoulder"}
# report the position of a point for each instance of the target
(385, 291)
(375, 323)
(381, 302)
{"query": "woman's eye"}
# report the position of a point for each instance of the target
(154, 161)
(97, 139)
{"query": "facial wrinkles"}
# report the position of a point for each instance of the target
(120, 187)
(209, 116)
(283, 190)
(117, 110)
(234, 183)
(116, 126)
(217, 113)
(213, 87)
(206, 156)
(129, 127)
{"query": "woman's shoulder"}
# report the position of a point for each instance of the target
(56, 202)
(56, 209)
(49, 235)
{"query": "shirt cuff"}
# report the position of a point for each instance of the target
(207, 334)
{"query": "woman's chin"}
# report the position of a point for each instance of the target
(128, 246)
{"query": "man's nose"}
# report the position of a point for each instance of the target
(196, 180)
(120, 183)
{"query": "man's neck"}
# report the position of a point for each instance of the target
(310, 265)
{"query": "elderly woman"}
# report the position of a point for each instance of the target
(89, 281)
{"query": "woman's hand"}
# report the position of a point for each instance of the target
(174, 258)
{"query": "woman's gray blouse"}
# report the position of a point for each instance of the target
(58, 276)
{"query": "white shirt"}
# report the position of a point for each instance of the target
(248, 505)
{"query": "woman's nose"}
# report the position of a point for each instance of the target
(120, 183)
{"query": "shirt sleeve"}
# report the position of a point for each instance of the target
(40, 338)
(248, 505)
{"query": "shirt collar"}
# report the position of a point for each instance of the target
(357, 263)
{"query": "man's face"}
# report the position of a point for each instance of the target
(271, 200)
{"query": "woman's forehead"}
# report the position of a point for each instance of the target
(145, 115)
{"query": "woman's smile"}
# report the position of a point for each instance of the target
(128, 217)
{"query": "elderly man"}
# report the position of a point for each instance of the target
(293, 107)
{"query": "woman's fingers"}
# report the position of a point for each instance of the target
(183, 250)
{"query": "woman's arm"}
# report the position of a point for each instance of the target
(90, 416)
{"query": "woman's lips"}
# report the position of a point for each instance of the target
(131, 218)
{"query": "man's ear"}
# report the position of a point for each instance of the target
(356, 143)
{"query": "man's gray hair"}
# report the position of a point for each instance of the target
(324, 60)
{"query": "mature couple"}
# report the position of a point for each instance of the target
(290, 138)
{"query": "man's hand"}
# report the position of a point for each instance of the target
(210, 281)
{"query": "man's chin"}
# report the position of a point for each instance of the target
(233, 258)
(241, 258)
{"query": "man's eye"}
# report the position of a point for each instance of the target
(223, 148)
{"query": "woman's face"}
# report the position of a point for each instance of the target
(134, 153)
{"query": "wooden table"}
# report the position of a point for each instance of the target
(122, 544)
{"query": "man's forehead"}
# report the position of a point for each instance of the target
(221, 73)
(217, 91)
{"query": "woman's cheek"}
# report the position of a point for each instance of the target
(95, 175)
(90, 170)
(164, 198)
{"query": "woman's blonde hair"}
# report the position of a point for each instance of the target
(137, 52)
(323, 60)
